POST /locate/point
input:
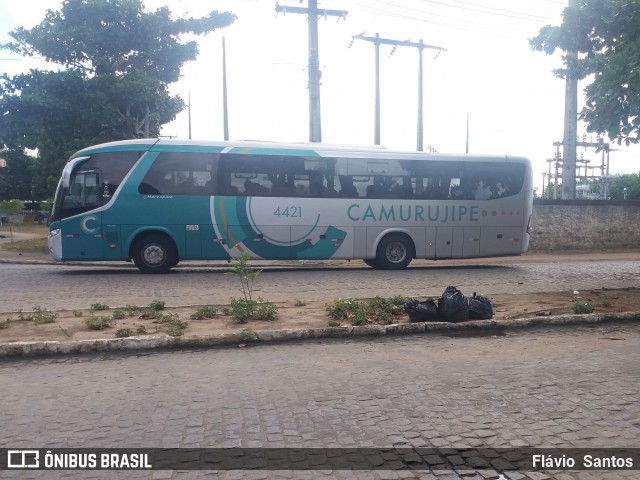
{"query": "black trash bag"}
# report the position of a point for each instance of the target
(422, 311)
(453, 306)
(480, 308)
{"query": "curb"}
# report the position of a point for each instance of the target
(476, 327)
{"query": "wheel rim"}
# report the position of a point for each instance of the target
(153, 255)
(396, 252)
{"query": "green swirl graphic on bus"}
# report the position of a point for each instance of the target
(286, 230)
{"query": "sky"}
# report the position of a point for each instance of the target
(488, 74)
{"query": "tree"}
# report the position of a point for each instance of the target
(11, 207)
(625, 187)
(115, 64)
(606, 35)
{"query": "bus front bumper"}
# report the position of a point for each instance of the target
(55, 244)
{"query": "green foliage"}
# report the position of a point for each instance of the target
(118, 315)
(77, 313)
(376, 310)
(141, 330)
(166, 317)
(124, 332)
(99, 306)
(157, 305)
(11, 207)
(5, 324)
(98, 323)
(152, 311)
(604, 34)
(582, 307)
(248, 335)
(132, 310)
(246, 274)
(300, 303)
(242, 310)
(176, 328)
(265, 311)
(38, 316)
(204, 312)
(618, 184)
(116, 58)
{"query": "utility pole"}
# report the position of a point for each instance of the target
(570, 129)
(315, 123)
(225, 112)
(398, 43)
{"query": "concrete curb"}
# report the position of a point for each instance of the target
(478, 327)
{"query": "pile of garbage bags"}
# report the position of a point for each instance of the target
(452, 306)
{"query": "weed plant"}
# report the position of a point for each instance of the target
(582, 307)
(99, 306)
(204, 312)
(98, 323)
(124, 332)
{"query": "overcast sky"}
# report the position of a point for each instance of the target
(488, 72)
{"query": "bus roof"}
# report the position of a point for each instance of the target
(311, 150)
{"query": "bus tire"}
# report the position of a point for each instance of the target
(154, 254)
(395, 251)
(371, 262)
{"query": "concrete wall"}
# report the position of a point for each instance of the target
(580, 225)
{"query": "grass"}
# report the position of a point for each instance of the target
(37, 244)
(377, 310)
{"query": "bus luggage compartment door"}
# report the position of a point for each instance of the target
(501, 241)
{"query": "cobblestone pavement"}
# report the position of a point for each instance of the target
(561, 388)
(71, 287)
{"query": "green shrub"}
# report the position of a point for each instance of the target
(300, 303)
(98, 323)
(118, 315)
(167, 318)
(157, 305)
(582, 307)
(265, 311)
(240, 309)
(99, 306)
(204, 312)
(124, 332)
(42, 315)
(141, 330)
(248, 335)
(176, 328)
(361, 312)
(132, 310)
(77, 313)
(5, 324)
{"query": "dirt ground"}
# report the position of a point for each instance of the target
(70, 325)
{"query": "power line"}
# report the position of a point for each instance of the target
(498, 11)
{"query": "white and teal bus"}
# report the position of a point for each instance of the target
(159, 201)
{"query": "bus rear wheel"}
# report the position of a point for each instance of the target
(154, 254)
(395, 251)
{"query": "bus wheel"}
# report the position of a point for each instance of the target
(395, 251)
(371, 262)
(154, 254)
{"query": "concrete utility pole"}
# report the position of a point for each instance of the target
(225, 111)
(570, 130)
(315, 128)
(398, 43)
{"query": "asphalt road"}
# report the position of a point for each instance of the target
(23, 286)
